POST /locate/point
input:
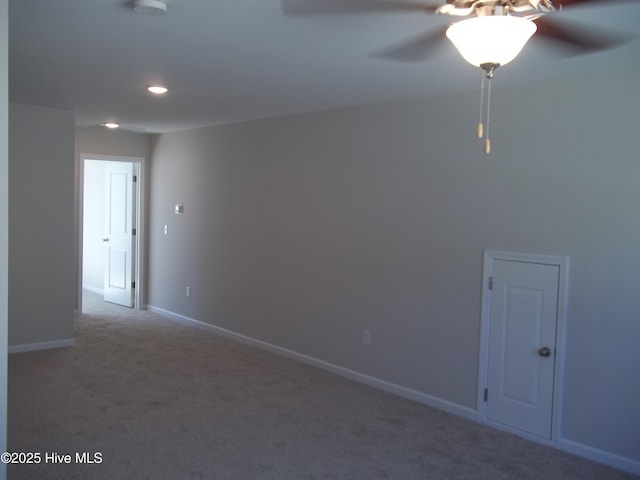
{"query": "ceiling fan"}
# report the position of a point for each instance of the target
(493, 34)
(568, 39)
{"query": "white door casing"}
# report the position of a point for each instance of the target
(119, 238)
(523, 315)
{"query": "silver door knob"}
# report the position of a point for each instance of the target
(544, 352)
(105, 239)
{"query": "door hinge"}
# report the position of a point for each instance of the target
(490, 283)
(133, 284)
(135, 178)
(486, 394)
(134, 232)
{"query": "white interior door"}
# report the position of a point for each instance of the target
(118, 239)
(522, 345)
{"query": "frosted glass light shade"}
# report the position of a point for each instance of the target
(491, 39)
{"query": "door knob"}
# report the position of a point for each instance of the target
(105, 239)
(544, 352)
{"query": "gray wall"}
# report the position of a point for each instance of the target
(100, 141)
(41, 260)
(4, 221)
(304, 230)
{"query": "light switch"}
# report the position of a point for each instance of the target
(179, 209)
(166, 229)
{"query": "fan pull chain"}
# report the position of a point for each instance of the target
(480, 127)
(488, 69)
(487, 140)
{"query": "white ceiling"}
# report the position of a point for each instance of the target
(235, 60)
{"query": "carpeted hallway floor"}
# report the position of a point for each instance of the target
(158, 399)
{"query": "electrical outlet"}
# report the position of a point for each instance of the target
(188, 292)
(366, 338)
(166, 229)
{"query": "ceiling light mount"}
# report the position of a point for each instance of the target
(150, 7)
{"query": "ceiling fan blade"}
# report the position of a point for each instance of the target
(415, 49)
(571, 39)
(336, 7)
(573, 3)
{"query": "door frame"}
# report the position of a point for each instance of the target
(139, 223)
(562, 262)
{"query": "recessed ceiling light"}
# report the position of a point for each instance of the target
(111, 125)
(157, 89)
(150, 7)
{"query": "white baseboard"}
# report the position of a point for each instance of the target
(89, 288)
(600, 456)
(31, 347)
(393, 388)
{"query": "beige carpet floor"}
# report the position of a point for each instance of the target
(159, 399)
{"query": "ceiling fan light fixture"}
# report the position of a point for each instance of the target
(150, 7)
(494, 40)
(111, 125)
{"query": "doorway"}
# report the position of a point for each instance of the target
(111, 229)
(522, 343)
